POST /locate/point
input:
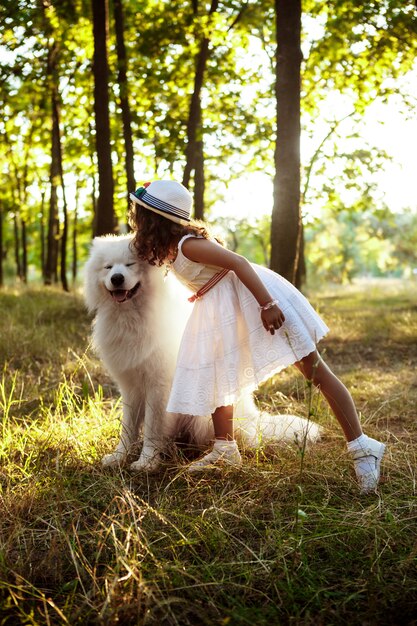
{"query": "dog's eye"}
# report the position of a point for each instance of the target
(108, 267)
(130, 264)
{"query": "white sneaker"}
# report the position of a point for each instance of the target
(223, 453)
(367, 460)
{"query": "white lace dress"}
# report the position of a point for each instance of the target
(225, 349)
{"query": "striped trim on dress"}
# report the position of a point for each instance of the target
(208, 285)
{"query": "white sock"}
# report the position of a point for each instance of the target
(225, 443)
(359, 442)
(223, 450)
(366, 464)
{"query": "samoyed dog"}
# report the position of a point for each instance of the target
(139, 318)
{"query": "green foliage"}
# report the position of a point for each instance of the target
(402, 230)
(360, 46)
(342, 243)
(340, 248)
(267, 544)
(352, 49)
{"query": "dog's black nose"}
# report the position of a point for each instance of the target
(117, 280)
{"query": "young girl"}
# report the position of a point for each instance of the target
(247, 324)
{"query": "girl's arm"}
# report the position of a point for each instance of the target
(210, 253)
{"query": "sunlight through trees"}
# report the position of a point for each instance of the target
(99, 97)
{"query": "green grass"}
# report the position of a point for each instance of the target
(285, 540)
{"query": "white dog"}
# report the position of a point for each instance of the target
(139, 320)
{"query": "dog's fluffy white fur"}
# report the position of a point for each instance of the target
(139, 320)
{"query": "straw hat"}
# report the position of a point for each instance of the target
(167, 198)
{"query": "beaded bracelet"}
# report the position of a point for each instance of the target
(268, 305)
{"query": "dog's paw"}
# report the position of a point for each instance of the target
(147, 463)
(115, 459)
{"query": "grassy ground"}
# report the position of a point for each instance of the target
(285, 540)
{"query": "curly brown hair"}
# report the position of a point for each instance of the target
(156, 237)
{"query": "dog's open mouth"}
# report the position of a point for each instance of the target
(122, 295)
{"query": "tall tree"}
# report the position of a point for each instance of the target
(16, 186)
(352, 49)
(122, 63)
(105, 219)
(75, 233)
(52, 248)
(286, 217)
(194, 149)
(1, 245)
(64, 234)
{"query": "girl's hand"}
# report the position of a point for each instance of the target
(272, 319)
(210, 253)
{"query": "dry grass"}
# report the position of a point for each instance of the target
(285, 540)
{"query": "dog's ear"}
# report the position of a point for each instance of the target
(92, 292)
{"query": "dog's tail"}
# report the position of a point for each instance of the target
(257, 428)
(254, 428)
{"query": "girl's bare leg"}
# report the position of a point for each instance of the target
(223, 422)
(225, 450)
(367, 453)
(315, 369)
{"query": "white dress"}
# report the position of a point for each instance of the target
(225, 348)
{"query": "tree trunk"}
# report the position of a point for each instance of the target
(17, 246)
(301, 275)
(57, 157)
(199, 178)
(92, 156)
(74, 235)
(24, 252)
(64, 239)
(22, 193)
(64, 234)
(51, 262)
(194, 115)
(51, 265)
(194, 152)
(1, 248)
(122, 63)
(286, 217)
(42, 236)
(17, 201)
(105, 222)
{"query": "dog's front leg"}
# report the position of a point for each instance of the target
(154, 433)
(128, 435)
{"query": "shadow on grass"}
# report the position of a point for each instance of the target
(261, 545)
(83, 546)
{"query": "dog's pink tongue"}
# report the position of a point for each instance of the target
(119, 295)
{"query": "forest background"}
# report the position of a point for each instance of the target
(208, 93)
(96, 99)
